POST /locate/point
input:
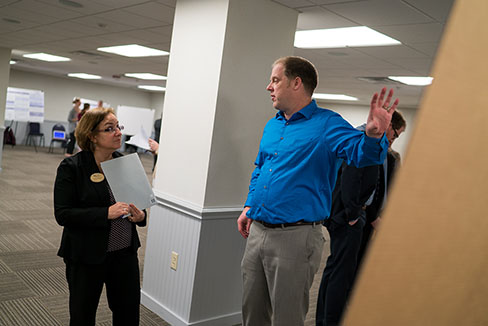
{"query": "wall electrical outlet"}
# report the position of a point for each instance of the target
(174, 261)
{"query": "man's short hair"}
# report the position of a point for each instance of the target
(300, 67)
(87, 127)
(398, 121)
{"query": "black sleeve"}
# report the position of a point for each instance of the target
(351, 186)
(68, 210)
(144, 221)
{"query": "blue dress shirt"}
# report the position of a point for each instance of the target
(297, 164)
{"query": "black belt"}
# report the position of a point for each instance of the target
(285, 225)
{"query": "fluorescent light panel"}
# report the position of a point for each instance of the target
(12, 62)
(338, 97)
(46, 57)
(133, 50)
(146, 76)
(341, 37)
(82, 75)
(152, 88)
(412, 81)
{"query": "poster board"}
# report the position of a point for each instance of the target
(427, 264)
(24, 105)
(133, 118)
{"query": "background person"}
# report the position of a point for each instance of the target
(98, 245)
(290, 191)
(73, 120)
(86, 107)
(100, 104)
(355, 189)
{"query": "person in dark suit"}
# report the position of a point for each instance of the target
(358, 191)
(99, 241)
(154, 143)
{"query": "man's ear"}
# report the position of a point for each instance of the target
(297, 82)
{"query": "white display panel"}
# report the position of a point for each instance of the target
(24, 105)
(133, 119)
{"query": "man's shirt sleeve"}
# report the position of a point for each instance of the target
(352, 145)
(254, 177)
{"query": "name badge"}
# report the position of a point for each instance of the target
(97, 177)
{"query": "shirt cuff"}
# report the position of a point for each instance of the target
(378, 145)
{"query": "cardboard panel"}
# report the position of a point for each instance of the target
(428, 264)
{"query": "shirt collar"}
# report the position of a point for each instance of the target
(305, 112)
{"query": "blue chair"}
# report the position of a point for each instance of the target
(35, 132)
(58, 136)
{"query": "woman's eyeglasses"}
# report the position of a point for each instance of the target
(112, 129)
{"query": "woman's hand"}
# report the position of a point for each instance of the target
(153, 145)
(117, 210)
(136, 214)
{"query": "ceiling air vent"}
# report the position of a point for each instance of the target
(87, 54)
(377, 80)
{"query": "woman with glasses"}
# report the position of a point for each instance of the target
(99, 242)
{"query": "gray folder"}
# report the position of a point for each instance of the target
(128, 181)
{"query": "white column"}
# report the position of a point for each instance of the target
(215, 109)
(4, 79)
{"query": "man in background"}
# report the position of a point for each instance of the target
(357, 192)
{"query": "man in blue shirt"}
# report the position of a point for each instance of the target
(290, 191)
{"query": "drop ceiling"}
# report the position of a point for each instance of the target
(54, 27)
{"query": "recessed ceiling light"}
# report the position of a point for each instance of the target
(152, 88)
(12, 62)
(82, 75)
(412, 81)
(341, 38)
(12, 21)
(146, 76)
(339, 97)
(46, 57)
(133, 50)
(70, 3)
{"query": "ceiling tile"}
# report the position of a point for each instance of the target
(102, 24)
(415, 33)
(89, 7)
(392, 52)
(294, 3)
(328, 2)
(163, 30)
(146, 36)
(125, 17)
(156, 11)
(372, 13)
(318, 18)
(171, 3)
(119, 3)
(22, 15)
(427, 48)
(50, 8)
(418, 65)
(437, 9)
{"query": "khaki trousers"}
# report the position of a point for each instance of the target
(278, 268)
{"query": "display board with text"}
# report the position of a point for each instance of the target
(24, 105)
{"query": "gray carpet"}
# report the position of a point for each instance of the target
(33, 289)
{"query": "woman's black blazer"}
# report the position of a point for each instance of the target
(81, 207)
